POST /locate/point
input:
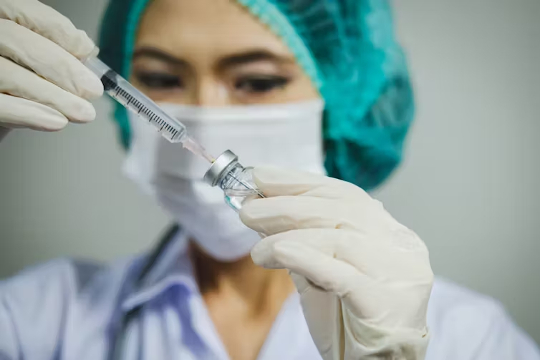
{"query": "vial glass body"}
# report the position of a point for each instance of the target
(238, 186)
(235, 180)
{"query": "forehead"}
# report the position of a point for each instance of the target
(204, 29)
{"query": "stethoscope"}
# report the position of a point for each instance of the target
(120, 325)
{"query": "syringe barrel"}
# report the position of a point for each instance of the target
(134, 100)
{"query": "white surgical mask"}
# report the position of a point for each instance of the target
(284, 135)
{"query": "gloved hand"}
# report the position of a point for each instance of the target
(364, 279)
(43, 85)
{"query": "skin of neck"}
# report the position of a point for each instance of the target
(253, 286)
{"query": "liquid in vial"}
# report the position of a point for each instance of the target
(235, 180)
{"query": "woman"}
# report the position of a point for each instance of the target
(252, 76)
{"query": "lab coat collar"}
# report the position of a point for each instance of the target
(172, 267)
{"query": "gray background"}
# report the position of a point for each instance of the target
(468, 185)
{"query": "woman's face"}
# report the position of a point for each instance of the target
(213, 53)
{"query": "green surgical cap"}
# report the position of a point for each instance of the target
(348, 49)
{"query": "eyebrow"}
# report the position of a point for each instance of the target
(157, 54)
(228, 61)
(253, 56)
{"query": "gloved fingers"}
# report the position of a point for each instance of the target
(40, 90)
(49, 23)
(322, 312)
(48, 60)
(273, 181)
(283, 213)
(303, 285)
(17, 112)
(377, 259)
(322, 269)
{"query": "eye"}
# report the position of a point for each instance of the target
(159, 80)
(261, 84)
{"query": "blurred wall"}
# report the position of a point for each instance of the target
(467, 186)
(469, 183)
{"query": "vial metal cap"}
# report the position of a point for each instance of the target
(220, 166)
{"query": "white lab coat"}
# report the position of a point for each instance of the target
(68, 309)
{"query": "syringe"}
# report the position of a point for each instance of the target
(132, 99)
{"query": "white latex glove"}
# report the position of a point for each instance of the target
(364, 279)
(43, 85)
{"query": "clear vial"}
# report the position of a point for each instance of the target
(235, 180)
